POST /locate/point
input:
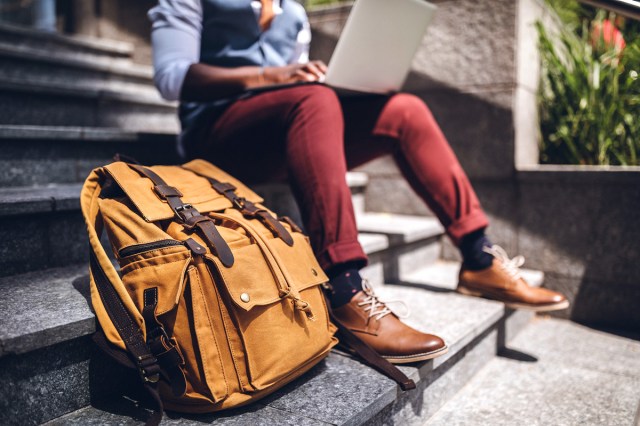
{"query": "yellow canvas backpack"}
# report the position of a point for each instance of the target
(218, 302)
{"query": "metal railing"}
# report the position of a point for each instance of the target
(629, 8)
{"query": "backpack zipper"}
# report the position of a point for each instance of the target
(141, 248)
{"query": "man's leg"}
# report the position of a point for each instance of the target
(299, 132)
(402, 125)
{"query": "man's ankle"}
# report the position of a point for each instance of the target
(472, 250)
(344, 285)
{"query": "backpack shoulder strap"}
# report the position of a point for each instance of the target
(122, 323)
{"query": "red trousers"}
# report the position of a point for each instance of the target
(308, 135)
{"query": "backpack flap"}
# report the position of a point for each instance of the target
(195, 190)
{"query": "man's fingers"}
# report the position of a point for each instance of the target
(320, 65)
(314, 69)
(303, 75)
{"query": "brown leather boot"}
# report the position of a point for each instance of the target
(374, 323)
(502, 282)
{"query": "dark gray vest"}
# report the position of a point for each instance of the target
(231, 37)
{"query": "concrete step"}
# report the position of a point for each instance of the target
(45, 321)
(43, 226)
(38, 66)
(65, 104)
(555, 372)
(414, 241)
(50, 369)
(40, 155)
(81, 47)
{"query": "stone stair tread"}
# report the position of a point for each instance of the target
(557, 359)
(372, 243)
(16, 131)
(399, 228)
(443, 274)
(107, 46)
(341, 390)
(112, 65)
(42, 308)
(66, 196)
(134, 96)
(358, 180)
(58, 311)
(39, 199)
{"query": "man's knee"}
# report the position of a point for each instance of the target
(406, 113)
(406, 106)
(317, 96)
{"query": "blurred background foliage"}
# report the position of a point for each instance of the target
(589, 99)
(313, 3)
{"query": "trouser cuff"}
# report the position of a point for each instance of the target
(342, 252)
(467, 225)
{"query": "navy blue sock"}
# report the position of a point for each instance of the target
(474, 258)
(344, 285)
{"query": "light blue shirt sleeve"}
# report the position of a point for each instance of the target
(175, 38)
(176, 35)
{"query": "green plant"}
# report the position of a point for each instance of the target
(589, 100)
(313, 3)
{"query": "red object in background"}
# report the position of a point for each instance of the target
(609, 34)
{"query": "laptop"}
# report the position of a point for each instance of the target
(376, 47)
(378, 43)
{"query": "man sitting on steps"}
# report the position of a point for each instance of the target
(212, 55)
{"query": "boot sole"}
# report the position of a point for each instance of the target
(513, 305)
(407, 359)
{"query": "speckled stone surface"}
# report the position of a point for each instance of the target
(580, 376)
(399, 228)
(340, 391)
(40, 241)
(39, 309)
(256, 415)
(45, 383)
(14, 201)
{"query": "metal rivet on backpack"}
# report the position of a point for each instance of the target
(245, 297)
(314, 272)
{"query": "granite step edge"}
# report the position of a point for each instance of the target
(19, 200)
(108, 65)
(21, 132)
(401, 229)
(99, 45)
(42, 308)
(130, 96)
(320, 395)
(61, 310)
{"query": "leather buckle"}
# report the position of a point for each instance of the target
(145, 361)
(239, 202)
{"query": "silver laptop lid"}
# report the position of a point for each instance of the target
(378, 43)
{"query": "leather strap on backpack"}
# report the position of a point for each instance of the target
(163, 347)
(368, 354)
(117, 305)
(188, 215)
(247, 208)
(131, 335)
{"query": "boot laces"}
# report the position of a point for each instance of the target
(510, 266)
(376, 307)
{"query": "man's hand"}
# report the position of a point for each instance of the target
(309, 72)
